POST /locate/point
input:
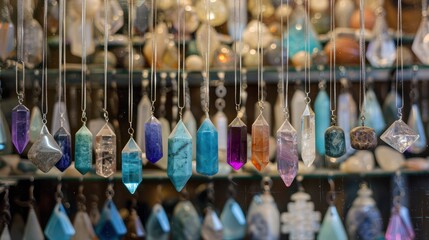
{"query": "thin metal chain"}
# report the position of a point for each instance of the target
(399, 81)
(44, 64)
(240, 46)
(181, 62)
(207, 67)
(424, 8)
(83, 87)
(307, 64)
(154, 79)
(285, 87)
(106, 42)
(64, 87)
(130, 67)
(332, 70)
(20, 53)
(60, 59)
(260, 56)
(362, 81)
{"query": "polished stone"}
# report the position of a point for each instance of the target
(110, 226)
(105, 152)
(158, 226)
(263, 218)
(233, 221)
(20, 127)
(237, 144)
(399, 226)
(363, 138)
(186, 223)
(260, 143)
(153, 139)
(207, 149)
(59, 226)
(335, 142)
(83, 150)
(63, 138)
(143, 114)
(308, 136)
(400, 136)
(287, 153)
(131, 165)
(45, 152)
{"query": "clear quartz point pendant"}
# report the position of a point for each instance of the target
(45, 152)
(186, 223)
(207, 149)
(20, 127)
(287, 152)
(7, 30)
(332, 227)
(63, 138)
(400, 136)
(131, 165)
(153, 139)
(233, 221)
(158, 226)
(308, 136)
(105, 152)
(83, 150)
(363, 138)
(59, 225)
(110, 225)
(179, 168)
(237, 144)
(36, 123)
(212, 226)
(260, 143)
(32, 230)
(335, 142)
(415, 122)
(135, 229)
(420, 46)
(83, 226)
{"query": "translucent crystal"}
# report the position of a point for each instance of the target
(347, 116)
(221, 123)
(83, 150)
(165, 126)
(263, 218)
(201, 39)
(153, 139)
(63, 138)
(131, 165)
(207, 149)
(59, 225)
(374, 115)
(237, 24)
(95, 125)
(308, 136)
(115, 17)
(4, 133)
(105, 152)
(191, 126)
(335, 142)
(287, 153)
(186, 223)
(297, 107)
(212, 226)
(45, 152)
(322, 118)
(266, 112)
(398, 227)
(32, 230)
(400, 136)
(233, 221)
(420, 46)
(415, 122)
(7, 31)
(56, 117)
(35, 123)
(20, 127)
(218, 12)
(143, 115)
(110, 225)
(237, 144)
(83, 226)
(332, 228)
(260, 143)
(135, 228)
(158, 226)
(32, 45)
(363, 138)
(179, 168)
(390, 111)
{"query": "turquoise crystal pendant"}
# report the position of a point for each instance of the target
(110, 226)
(131, 165)
(158, 226)
(332, 228)
(59, 226)
(207, 149)
(83, 150)
(153, 139)
(179, 168)
(45, 152)
(233, 221)
(63, 138)
(322, 118)
(335, 142)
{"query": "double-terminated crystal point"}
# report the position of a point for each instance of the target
(363, 138)
(399, 136)
(237, 144)
(308, 136)
(260, 143)
(105, 152)
(153, 139)
(63, 138)
(131, 165)
(207, 149)
(83, 150)
(20, 127)
(335, 142)
(287, 152)
(45, 152)
(179, 168)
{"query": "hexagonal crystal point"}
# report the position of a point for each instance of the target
(400, 136)
(131, 165)
(237, 144)
(260, 143)
(363, 138)
(105, 152)
(287, 152)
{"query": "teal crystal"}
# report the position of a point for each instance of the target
(335, 142)
(179, 168)
(332, 228)
(36, 123)
(59, 226)
(186, 224)
(373, 113)
(131, 165)
(233, 221)
(83, 150)
(110, 226)
(207, 149)
(322, 115)
(415, 122)
(390, 111)
(158, 226)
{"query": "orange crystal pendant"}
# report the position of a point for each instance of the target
(260, 143)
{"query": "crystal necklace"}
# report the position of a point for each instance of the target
(287, 139)
(399, 135)
(207, 135)
(20, 113)
(260, 128)
(131, 153)
(362, 137)
(105, 140)
(45, 152)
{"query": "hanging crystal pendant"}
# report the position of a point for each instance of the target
(374, 115)
(212, 226)
(263, 218)
(287, 153)
(7, 30)
(135, 229)
(420, 47)
(32, 230)
(143, 115)
(185, 224)
(233, 221)
(83, 226)
(237, 144)
(335, 142)
(179, 168)
(191, 126)
(158, 226)
(63, 138)
(110, 225)
(398, 227)
(308, 136)
(363, 138)
(20, 127)
(115, 20)
(153, 139)
(4, 134)
(45, 152)
(35, 123)
(415, 122)
(347, 112)
(260, 143)
(207, 149)
(105, 152)
(83, 150)
(332, 228)
(390, 112)
(59, 225)
(57, 119)
(322, 118)
(400, 136)
(131, 165)
(221, 124)
(266, 112)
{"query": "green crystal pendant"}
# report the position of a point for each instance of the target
(83, 150)
(131, 165)
(207, 149)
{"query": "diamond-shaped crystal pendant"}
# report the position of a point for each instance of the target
(233, 220)
(20, 127)
(207, 149)
(420, 46)
(287, 152)
(83, 226)
(212, 226)
(45, 152)
(158, 226)
(335, 142)
(260, 143)
(399, 136)
(83, 150)
(59, 225)
(110, 225)
(105, 152)
(237, 144)
(153, 139)
(179, 168)
(135, 229)
(363, 138)
(308, 136)
(63, 138)
(36, 123)
(131, 165)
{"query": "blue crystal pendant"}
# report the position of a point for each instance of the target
(185, 224)
(374, 115)
(153, 139)
(335, 142)
(83, 150)
(105, 152)
(332, 228)
(59, 226)
(322, 118)
(132, 165)
(233, 221)
(20, 127)
(110, 226)
(415, 122)
(158, 226)
(63, 138)
(207, 149)
(179, 168)
(45, 152)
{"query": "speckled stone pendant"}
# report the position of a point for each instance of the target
(335, 142)
(45, 152)
(237, 144)
(363, 138)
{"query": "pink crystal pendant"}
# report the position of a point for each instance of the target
(399, 225)
(45, 152)
(287, 152)
(105, 152)
(20, 127)
(363, 138)
(237, 144)
(260, 143)
(400, 136)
